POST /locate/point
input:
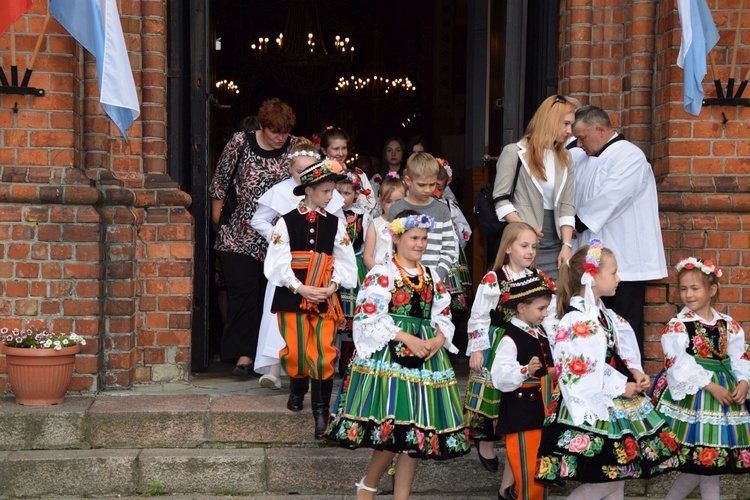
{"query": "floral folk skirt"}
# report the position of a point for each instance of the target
(635, 443)
(713, 438)
(386, 406)
(482, 402)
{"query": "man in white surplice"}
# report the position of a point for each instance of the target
(616, 202)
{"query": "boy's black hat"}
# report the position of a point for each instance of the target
(323, 171)
(534, 285)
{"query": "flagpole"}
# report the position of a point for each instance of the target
(737, 34)
(13, 67)
(30, 68)
(717, 82)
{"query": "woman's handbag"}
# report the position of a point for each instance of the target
(230, 200)
(490, 227)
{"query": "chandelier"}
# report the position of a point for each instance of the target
(375, 85)
(299, 60)
(227, 87)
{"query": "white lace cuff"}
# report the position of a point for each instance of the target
(684, 382)
(481, 343)
(369, 338)
(613, 384)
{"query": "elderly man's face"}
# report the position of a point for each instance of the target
(591, 138)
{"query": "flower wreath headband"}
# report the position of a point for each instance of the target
(403, 224)
(311, 154)
(704, 266)
(590, 270)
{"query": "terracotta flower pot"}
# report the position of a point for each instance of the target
(40, 377)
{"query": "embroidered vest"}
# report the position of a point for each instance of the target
(318, 236)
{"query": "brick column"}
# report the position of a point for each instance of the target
(94, 236)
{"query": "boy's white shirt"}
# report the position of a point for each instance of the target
(278, 264)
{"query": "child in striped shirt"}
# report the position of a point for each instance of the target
(420, 179)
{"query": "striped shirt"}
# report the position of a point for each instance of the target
(442, 245)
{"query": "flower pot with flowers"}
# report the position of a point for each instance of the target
(40, 364)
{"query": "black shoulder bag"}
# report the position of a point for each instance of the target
(230, 200)
(490, 227)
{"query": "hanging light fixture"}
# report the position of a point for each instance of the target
(299, 60)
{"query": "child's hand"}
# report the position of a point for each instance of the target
(720, 393)
(416, 345)
(642, 380)
(534, 365)
(552, 372)
(476, 360)
(435, 343)
(740, 392)
(330, 290)
(314, 294)
(631, 390)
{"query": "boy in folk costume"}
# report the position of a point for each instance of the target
(309, 258)
(524, 372)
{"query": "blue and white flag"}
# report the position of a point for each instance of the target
(699, 36)
(95, 24)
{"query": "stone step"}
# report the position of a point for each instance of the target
(170, 421)
(118, 444)
(255, 471)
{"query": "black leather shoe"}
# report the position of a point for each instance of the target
(508, 493)
(295, 402)
(491, 464)
(320, 398)
(298, 389)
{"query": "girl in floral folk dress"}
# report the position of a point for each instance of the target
(400, 395)
(605, 429)
(486, 326)
(349, 187)
(702, 394)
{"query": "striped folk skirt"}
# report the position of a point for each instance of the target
(482, 402)
(713, 438)
(386, 406)
(348, 298)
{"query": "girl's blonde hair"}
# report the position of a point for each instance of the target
(542, 132)
(708, 280)
(511, 233)
(303, 145)
(569, 277)
(388, 186)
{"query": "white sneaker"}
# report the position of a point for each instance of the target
(270, 382)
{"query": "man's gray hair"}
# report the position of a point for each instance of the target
(592, 116)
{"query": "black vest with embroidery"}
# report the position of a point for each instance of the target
(523, 409)
(306, 236)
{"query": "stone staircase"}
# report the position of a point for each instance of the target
(120, 444)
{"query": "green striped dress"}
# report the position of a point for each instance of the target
(713, 438)
(387, 406)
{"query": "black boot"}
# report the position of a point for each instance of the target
(321, 399)
(298, 388)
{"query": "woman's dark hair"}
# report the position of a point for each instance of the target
(330, 134)
(384, 168)
(248, 124)
(413, 141)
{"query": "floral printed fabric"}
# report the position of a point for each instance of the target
(713, 438)
(387, 406)
(634, 443)
(257, 175)
(587, 382)
(374, 328)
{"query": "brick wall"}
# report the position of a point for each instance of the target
(94, 236)
(621, 55)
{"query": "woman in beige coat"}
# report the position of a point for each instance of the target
(544, 194)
